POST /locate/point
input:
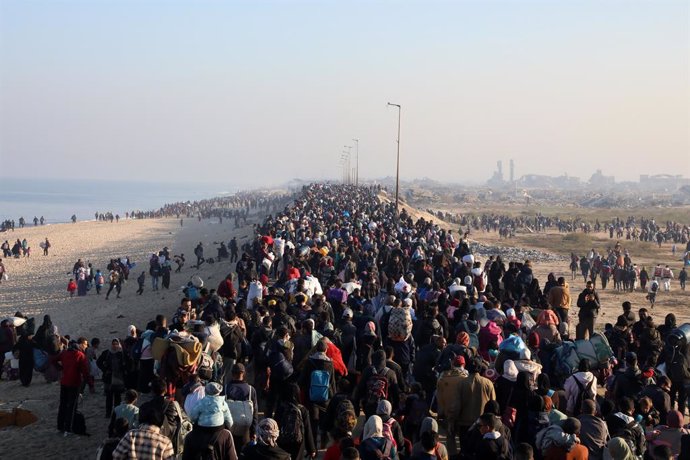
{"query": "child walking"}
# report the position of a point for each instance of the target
(71, 287)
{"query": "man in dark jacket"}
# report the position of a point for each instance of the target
(202, 439)
(594, 433)
(588, 303)
(280, 364)
(629, 382)
(239, 390)
(678, 370)
(317, 397)
(425, 364)
(164, 409)
(492, 445)
(363, 395)
(622, 424)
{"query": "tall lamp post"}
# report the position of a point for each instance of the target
(356, 161)
(397, 165)
(345, 157)
(349, 156)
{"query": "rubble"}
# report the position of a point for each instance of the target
(516, 254)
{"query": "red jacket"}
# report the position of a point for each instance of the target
(75, 368)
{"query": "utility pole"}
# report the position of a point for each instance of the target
(397, 164)
(356, 161)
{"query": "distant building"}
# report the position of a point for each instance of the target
(665, 182)
(598, 180)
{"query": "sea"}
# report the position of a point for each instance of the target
(58, 199)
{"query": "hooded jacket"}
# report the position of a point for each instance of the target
(212, 411)
(572, 390)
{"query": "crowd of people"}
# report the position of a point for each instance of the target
(632, 228)
(349, 327)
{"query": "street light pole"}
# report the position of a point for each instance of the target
(349, 169)
(397, 165)
(356, 161)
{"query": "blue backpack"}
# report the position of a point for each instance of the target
(318, 387)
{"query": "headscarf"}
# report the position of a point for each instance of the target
(547, 318)
(131, 331)
(618, 449)
(510, 371)
(373, 428)
(117, 347)
(463, 338)
(384, 408)
(674, 419)
(267, 432)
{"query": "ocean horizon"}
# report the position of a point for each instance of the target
(58, 199)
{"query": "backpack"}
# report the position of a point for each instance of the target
(114, 277)
(232, 337)
(388, 431)
(79, 423)
(379, 454)
(291, 425)
(205, 369)
(584, 393)
(655, 286)
(399, 324)
(318, 386)
(377, 386)
(183, 426)
(100, 280)
(480, 282)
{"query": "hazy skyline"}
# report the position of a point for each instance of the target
(257, 93)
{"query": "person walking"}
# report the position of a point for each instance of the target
(112, 364)
(147, 441)
(588, 302)
(75, 371)
(115, 280)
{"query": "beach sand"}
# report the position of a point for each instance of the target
(38, 285)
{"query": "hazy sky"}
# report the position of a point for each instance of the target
(259, 92)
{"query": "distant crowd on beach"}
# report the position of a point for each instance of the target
(348, 326)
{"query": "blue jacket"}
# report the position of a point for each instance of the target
(211, 411)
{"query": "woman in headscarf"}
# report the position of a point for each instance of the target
(505, 385)
(112, 364)
(25, 346)
(522, 394)
(618, 449)
(547, 327)
(44, 334)
(671, 433)
(374, 443)
(289, 413)
(266, 447)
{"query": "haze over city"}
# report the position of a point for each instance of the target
(228, 91)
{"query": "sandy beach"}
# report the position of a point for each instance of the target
(38, 285)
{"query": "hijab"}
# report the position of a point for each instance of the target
(618, 449)
(267, 432)
(373, 428)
